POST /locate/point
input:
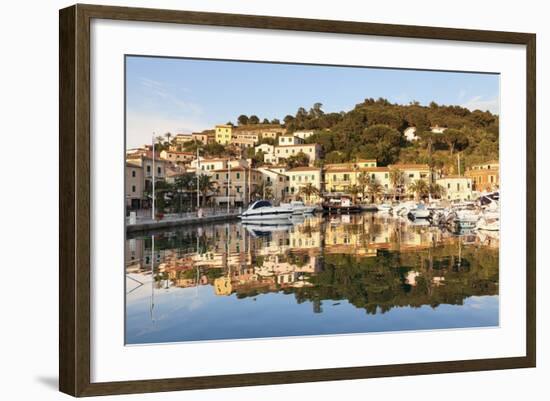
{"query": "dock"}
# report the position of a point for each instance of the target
(150, 225)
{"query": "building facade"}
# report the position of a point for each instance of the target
(312, 151)
(485, 176)
(238, 186)
(223, 134)
(278, 182)
(456, 188)
(177, 157)
(134, 186)
(300, 177)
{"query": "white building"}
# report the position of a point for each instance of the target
(290, 139)
(304, 134)
(456, 187)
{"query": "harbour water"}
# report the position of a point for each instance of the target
(317, 275)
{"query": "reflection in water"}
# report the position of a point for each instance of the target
(318, 275)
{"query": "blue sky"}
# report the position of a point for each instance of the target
(184, 95)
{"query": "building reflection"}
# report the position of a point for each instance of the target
(371, 261)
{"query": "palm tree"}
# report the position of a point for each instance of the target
(374, 190)
(168, 135)
(354, 190)
(205, 186)
(397, 180)
(363, 181)
(263, 191)
(182, 184)
(436, 190)
(308, 191)
(419, 188)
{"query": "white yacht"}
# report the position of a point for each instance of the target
(420, 212)
(488, 223)
(264, 210)
(299, 207)
(384, 208)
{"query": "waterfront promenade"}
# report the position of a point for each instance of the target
(144, 222)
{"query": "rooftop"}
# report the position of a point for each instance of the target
(410, 166)
(295, 146)
(297, 169)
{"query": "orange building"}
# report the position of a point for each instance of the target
(485, 176)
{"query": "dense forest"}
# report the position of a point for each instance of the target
(374, 129)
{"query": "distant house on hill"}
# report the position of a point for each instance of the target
(410, 132)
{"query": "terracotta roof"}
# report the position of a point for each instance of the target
(303, 169)
(294, 146)
(374, 169)
(410, 166)
(453, 176)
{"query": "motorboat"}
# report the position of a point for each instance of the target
(261, 210)
(384, 208)
(299, 207)
(342, 204)
(266, 228)
(488, 223)
(420, 212)
(403, 208)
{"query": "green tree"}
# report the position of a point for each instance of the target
(353, 191)
(298, 160)
(205, 186)
(419, 189)
(397, 180)
(253, 119)
(363, 181)
(375, 190)
(308, 191)
(242, 119)
(436, 190)
(455, 140)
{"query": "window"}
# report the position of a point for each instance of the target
(411, 175)
(312, 178)
(238, 176)
(217, 176)
(133, 173)
(449, 186)
(458, 187)
(148, 169)
(346, 177)
(133, 188)
(158, 170)
(293, 178)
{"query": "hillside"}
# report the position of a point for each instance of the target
(375, 129)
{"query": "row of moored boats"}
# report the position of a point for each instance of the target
(482, 214)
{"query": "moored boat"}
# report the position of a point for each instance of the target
(299, 207)
(264, 210)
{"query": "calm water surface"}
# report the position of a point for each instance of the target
(318, 275)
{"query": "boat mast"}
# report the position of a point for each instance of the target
(153, 173)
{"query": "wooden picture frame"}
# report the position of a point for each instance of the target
(75, 207)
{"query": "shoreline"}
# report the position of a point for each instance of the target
(154, 225)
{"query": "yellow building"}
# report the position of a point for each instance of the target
(223, 134)
(300, 177)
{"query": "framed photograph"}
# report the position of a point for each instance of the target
(249, 200)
